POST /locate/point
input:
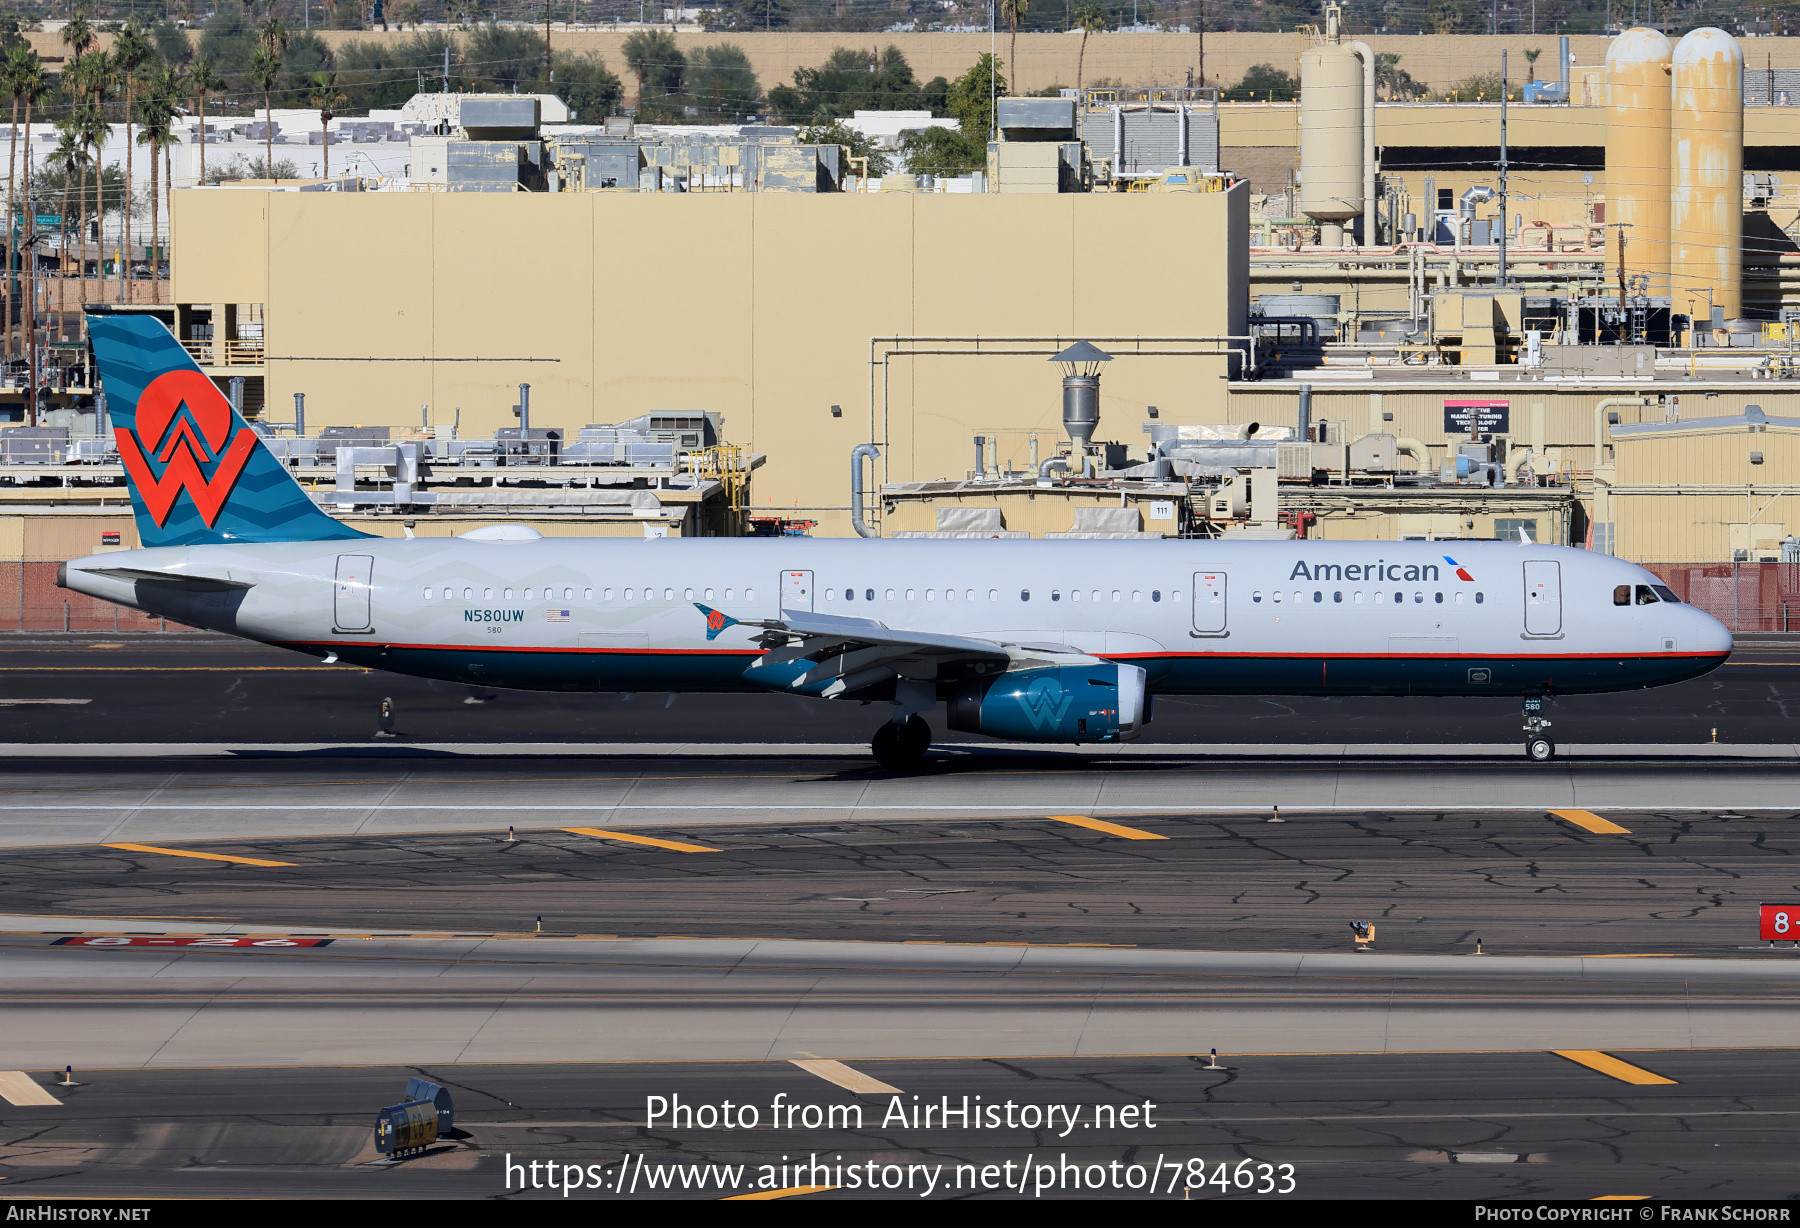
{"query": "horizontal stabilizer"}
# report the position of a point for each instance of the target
(185, 579)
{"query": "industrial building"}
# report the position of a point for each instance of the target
(1427, 342)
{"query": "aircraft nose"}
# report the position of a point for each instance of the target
(1714, 635)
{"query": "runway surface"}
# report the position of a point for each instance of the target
(727, 886)
(1514, 1126)
(279, 1002)
(77, 801)
(136, 687)
(1526, 882)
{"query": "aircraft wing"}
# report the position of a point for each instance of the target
(830, 655)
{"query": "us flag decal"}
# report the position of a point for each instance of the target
(558, 616)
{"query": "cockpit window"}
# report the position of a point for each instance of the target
(1666, 593)
(1622, 595)
(1645, 596)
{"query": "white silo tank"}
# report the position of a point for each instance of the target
(1638, 184)
(1706, 165)
(1331, 138)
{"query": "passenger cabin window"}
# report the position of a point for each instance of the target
(1622, 595)
(1645, 596)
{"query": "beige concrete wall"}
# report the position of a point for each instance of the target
(759, 306)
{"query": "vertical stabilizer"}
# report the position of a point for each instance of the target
(198, 473)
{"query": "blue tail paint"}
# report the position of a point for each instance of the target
(716, 621)
(198, 474)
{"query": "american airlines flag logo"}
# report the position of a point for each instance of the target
(558, 616)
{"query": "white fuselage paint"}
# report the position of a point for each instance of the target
(1199, 616)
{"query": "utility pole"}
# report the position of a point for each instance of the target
(1500, 277)
(549, 72)
(1623, 317)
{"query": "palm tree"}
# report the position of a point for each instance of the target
(1531, 59)
(273, 35)
(200, 82)
(1012, 12)
(265, 71)
(130, 50)
(90, 121)
(158, 119)
(71, 158)
(1089, 19)
(77, 35)
(13, 72)
(412, 15)
(327, 97)
(30, 86)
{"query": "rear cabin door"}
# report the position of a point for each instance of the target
(350, 595)
(1543, 597)
(1209, 603)
(797, 590)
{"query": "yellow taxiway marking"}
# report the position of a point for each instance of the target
(17, 1087)
(1111, 829)
(242, 861)
(845, 1077)
(676, 845)
(1607, 1064)
(1589, 821)
(790, 1192)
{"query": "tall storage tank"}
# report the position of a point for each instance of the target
(1638, 93)
(1331, 138)
(1706, 157)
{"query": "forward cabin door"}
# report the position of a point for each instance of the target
(1543, 597)
(1209, 603)
(797, 590)
(350, 595)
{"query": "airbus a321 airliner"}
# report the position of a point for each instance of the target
(1039, 641)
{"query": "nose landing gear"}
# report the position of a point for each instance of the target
(1538, 746)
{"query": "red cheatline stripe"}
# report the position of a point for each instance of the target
(1110, 656)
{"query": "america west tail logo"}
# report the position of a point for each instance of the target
(716, 621)
(182, 444)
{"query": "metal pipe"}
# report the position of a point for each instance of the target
(981, 456)
(1181, 136)
(1118, 127)
(1305, 413)
(1370, 210)
(524, 411)
(299, 413)
(1600, 408)
(1562, 53)
(856, 487)
(1421, 454)
(1055, 462)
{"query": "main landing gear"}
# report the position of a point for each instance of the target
(1538, 746)
(903, 745)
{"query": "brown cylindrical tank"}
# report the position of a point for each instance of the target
(1331, 137)
(1638, 185)
(1706, 165)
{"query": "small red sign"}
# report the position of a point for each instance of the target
(1780, 923)
(191, 942)
(109, 539)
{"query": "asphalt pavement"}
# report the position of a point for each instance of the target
(1527, 1125)
(195, 687)
(1525, 882)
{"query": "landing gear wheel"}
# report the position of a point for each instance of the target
(897, 747)
(1540, 749)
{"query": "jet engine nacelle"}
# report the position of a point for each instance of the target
(1103, 702)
